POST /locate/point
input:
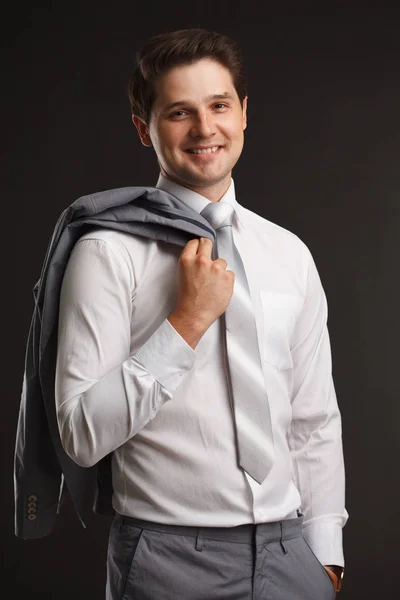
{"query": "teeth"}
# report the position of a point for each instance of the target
(206, 151)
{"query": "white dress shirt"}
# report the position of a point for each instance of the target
(128, 383)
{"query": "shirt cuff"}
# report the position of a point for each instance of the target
(167, 356)
(325, 539)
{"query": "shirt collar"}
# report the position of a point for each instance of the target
(196, 201)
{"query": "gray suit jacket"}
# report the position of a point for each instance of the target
(43, 472)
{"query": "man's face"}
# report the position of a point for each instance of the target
(196, 107)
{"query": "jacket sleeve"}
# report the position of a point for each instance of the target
(103, 395)
(37, 473)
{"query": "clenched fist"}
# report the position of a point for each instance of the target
(205, 289)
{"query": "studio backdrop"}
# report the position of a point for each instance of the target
(321, 158)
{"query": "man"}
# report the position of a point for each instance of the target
(190, 522)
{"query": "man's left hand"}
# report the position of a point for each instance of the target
(334, 578)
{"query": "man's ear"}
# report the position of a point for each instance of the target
(143, 130)
(244, 112)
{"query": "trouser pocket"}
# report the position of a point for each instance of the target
(123, 545)
(319, 568)
(291, 571)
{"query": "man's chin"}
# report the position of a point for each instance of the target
(204, 179)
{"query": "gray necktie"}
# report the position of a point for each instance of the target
(247, 386)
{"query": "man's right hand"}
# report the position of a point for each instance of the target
(205, 285)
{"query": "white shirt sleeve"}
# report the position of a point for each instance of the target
(103, 395)
(316, 435)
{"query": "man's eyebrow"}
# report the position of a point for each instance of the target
(225, 96)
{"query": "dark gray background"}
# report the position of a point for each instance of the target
(321, 158)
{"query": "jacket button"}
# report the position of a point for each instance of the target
(31, 517)
(32, 498)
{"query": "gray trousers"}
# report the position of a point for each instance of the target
(269, 561)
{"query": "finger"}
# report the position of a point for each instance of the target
(205, 247)
(191, 248)
(221, 262)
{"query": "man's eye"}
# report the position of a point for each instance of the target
(178, 113)
(220, 105)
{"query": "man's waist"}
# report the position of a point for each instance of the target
(245, 533)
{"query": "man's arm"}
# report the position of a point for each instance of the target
(104, 396)
(316, 440)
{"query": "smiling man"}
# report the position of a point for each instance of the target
(194, 521)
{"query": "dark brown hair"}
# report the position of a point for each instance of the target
(167, 50)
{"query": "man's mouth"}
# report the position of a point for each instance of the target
(209, 150)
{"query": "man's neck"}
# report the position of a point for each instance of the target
(213, 193)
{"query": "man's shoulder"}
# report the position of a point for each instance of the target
(114, 196)
(120, 243)
(272, 232)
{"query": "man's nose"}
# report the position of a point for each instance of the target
(203, 126)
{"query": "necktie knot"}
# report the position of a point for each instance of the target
(218, 214)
